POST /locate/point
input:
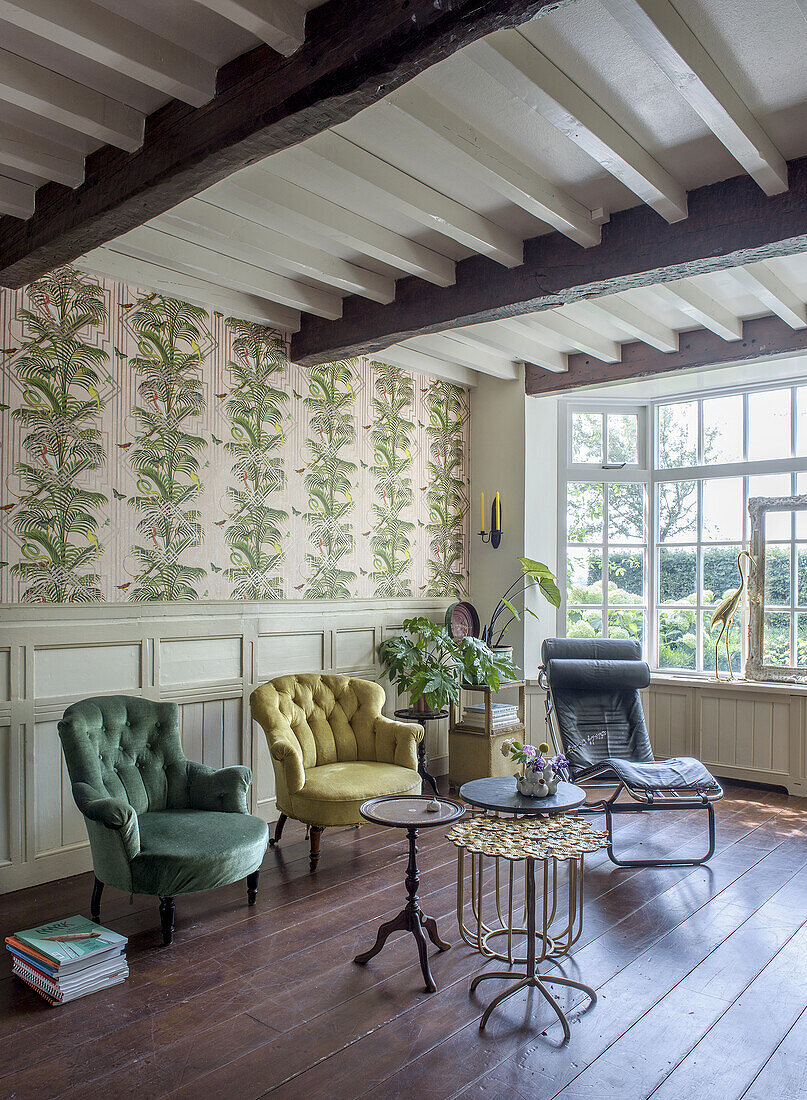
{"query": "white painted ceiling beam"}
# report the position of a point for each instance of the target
(49, 95)
(775, 295)
(114, 265)
(664, 36)
(530, 76)
(28, 152)
(443, 346)
(102, 36)
(410, 360)
(501, 171)
(578, 335)
(280, 204)
(16, 199)
(701, 307)
(634, 322)
(531, 349)
(212, 227)
(416, 199)
(516, 344)
(280, 23)
(205, 263)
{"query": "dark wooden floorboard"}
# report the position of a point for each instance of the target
(699, 972)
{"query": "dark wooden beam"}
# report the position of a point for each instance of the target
(763, 337)
(729, 223)
(355, 52)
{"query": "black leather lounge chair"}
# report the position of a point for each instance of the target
(593, 689)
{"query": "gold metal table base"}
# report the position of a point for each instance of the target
(551, 949)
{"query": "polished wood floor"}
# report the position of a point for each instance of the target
(701, 975)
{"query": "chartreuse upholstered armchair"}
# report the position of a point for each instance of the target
(332, 749)
(158, 823)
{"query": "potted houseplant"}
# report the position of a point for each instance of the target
(534, 574)
(430, 666)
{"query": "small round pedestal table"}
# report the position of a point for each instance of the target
(410, 812)
(409, 714)
(548, 840)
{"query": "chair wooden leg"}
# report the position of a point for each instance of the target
(252, 887)
(316, 833)
(95, 902)
(281, 821)
(167, 912)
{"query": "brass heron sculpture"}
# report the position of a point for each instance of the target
(726, 610)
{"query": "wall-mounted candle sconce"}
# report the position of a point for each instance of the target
(494, 537)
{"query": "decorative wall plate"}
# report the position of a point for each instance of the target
(462, 620)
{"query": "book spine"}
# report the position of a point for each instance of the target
(38, 981)
(35, 961)
(13, 943)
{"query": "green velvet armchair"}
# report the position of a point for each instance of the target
(158, 823)
(332, 749)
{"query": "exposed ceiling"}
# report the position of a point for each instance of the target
(597, 107)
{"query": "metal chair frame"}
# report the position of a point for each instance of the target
(679, 798)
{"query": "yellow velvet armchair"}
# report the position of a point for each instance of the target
(332, 749)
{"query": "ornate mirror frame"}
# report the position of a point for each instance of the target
(756, 669)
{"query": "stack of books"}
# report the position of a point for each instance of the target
(67, 959)
(503, 715)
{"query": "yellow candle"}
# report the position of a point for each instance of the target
(482, 510)
(498, 513)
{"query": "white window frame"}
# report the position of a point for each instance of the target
(647, 472)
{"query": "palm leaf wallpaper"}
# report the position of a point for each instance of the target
(154, 450)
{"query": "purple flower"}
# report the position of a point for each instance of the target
(537, 765)
(560, 762)
(529, 751)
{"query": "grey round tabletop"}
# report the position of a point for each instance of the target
(409, 811)
(499, 793)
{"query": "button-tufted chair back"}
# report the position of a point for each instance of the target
(129, 748)
(332, 717)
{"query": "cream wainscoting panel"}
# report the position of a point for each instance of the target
(740, 730)
(207, 658)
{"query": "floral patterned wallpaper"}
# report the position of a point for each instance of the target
(154, 450)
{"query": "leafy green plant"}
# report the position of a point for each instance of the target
(328, 480)
(255, 409)
(58, 371)
(170, 395)
(445, 494)
(392, 439)
(425, 662)
(534, 574)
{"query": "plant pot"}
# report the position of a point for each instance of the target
(420, 705)
(503, 651)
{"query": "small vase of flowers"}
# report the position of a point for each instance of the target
(539, 774)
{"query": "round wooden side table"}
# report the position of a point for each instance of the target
(409, 714)
(410, 812)
(547, 840)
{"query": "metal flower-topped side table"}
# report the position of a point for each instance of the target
(550, 840)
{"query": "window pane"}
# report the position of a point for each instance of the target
(584, 624)
(801, 576)
(768, 424)
(678, 435)
(710, 640)
(626, 624)
(677, 583)
(625, 577)
(587, 437)
(777, 524)
(777, 575)
(801, 517)
(626, 512)
(723, 509)
(776, 638)
(677, 646)
(723, 429)
(583, 576)
(623, 438)
(678, 511)
(801, 639)
(720, 575)
(801, 421)
(584, 512)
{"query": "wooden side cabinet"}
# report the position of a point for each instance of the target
(475, 753)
